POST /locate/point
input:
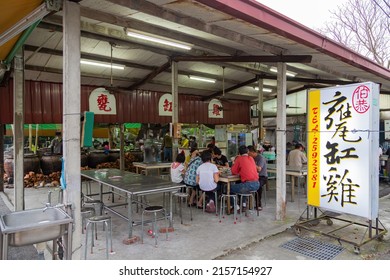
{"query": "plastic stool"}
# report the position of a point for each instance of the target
(223, 205)
(153, 210)
(92, 222)
(215, 201)
(180, 196)
(251, 203)
(86, 212)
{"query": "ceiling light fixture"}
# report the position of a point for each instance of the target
(264, 89)
(157, 39)
(207, 80)
(24, 23)
(288, 73)
(102, 64)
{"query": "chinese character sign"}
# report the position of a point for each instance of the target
(165, 105)
(343, 141)
(102, 102)
(215, 109)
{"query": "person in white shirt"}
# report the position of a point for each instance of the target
(207, 177)
(297, 157)
(178, 168)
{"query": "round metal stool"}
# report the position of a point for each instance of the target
(88, 187)
(251, 204)
(223, 205)
(92, 224)
(96, 204)
(257, 200)
(181, 196)
(153, 210)
(86, 212)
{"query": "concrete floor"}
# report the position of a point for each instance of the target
(205, 238)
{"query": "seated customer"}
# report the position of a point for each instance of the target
(261, 165)
(245, 166)
(178, 168)
(219, 159)
(207, 176)
(190, 174)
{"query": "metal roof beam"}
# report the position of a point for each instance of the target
(103, 77)
(252, 58)
(158, 11)
(218, 93)
(112, 36)
(123, 62)
(149, 77)
(91, 57)
(153, 29)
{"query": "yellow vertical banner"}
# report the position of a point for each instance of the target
(313, 148)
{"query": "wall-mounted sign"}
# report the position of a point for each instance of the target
(343, 141)
(102, 102)
(215, 109)
(165, 105)
(387, 129)
(220, 133)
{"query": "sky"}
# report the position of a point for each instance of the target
(311, 13)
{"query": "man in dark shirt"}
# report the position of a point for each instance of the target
(219, 159)
(193, 144)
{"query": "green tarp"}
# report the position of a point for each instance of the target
(58, 126)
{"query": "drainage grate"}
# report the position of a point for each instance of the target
(313, 248)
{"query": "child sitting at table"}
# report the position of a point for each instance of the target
(178, 168)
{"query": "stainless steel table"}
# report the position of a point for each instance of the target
(149, 166)
(132, 185)
(294, 172)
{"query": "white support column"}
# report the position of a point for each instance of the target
(71, 116)
(18, 130)
(175, 106)
(260, 107)
(122, 146)
(281, 143)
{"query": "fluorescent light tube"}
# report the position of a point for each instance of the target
(207, 80)
(102, 64)
(264, 89)
(157, 39)
(288, 73)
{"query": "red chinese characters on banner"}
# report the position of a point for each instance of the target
(103, 102)
(167, 105)
(216, 110)
(360, 99)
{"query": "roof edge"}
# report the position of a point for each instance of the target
(264, 17)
